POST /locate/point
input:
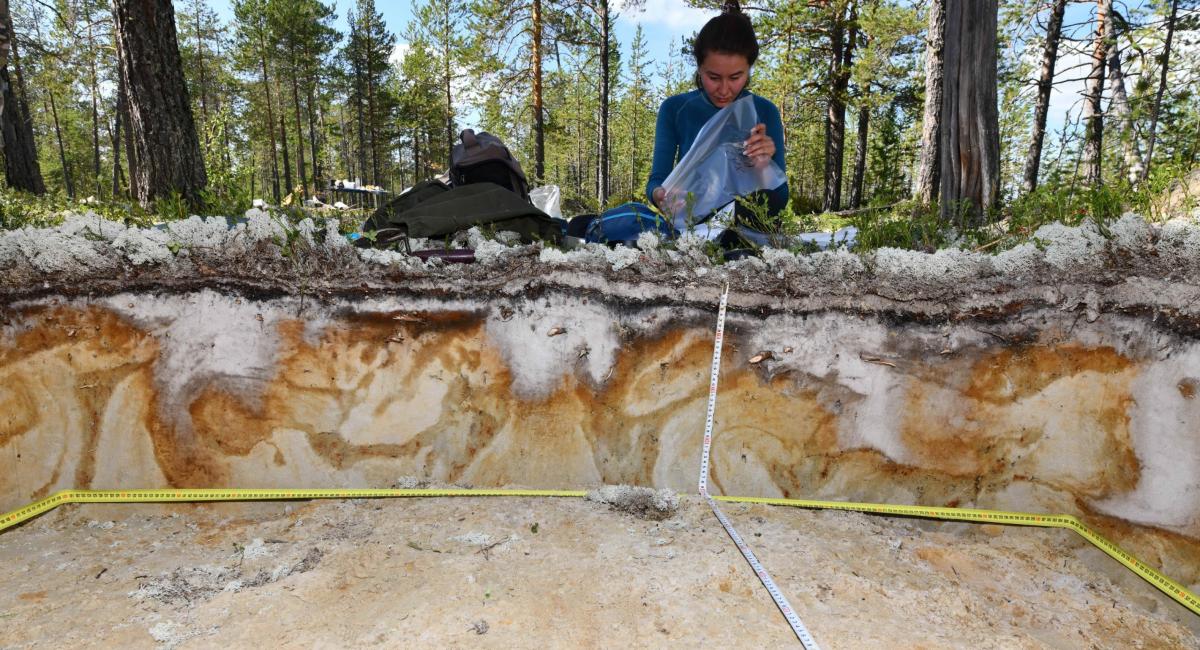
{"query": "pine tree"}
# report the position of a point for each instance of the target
(164, 132)
(441, 24)
(367, 52)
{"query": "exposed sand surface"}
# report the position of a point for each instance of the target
(526, 573)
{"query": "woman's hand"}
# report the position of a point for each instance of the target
(669, 204)
(759, 147)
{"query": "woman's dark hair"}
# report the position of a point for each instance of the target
(729, 33)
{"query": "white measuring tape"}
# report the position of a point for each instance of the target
(781, 601)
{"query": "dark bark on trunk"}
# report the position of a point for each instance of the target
(62, 152)
(970, 133)
(287, 164)
(6, 41)
(20, 155)
(929, 167)
(225, 127)
(446, 78)
(539, 120)
(266, 76)
(299, 139)
(95, 113)
(1093, 114)
(1033, 160)
(602, 182)
(1162, 87)
(860, 157)
(842, 48)
(164, 132)
(21, 166)
(416, 156)
(362, 127)
(374, 131)
(200, 64)
(312, 132)
(116, 145)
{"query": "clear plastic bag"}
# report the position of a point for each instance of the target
(548, 199)
(715, 171)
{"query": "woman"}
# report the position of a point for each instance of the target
(725, 49)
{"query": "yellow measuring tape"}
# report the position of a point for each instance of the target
(1161, 582)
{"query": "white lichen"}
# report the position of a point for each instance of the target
(620, 257)
(552, 256)
(938, 271)
(647, 241)
(198, 232)
(144, 246)
(1131, 232)
(836, 265)
(1069, 248)
(1020, 262)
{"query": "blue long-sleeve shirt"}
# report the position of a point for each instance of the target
(679, 121)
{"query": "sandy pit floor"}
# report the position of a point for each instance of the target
(533, 573)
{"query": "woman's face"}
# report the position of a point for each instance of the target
(724, 76)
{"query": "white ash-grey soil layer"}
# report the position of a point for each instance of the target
(535, 573)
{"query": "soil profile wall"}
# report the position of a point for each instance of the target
(948, 379)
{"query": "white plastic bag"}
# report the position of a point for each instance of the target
(548, 199)
(715, 171)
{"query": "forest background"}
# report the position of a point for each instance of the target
(288, 95)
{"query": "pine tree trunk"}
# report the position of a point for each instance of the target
(287, 163)
(860, 157)
(416, 156)
(970, 134)
(225, 126)
(20, 156)
(1033, 160)
(6, 42)
(1093, 113)
(1120, 113)
(360, 96)
(842, 52)
(21, 167)
(200, 65)
(312, 133)
(116, 146)
(1162, 87)
(266, 77)
(299, 138)
(449, 108)
(373, 119)
(123, 116)
(62, 152)
(164, 132)
(539, 119)
(605, 79)
(929, 167)
(95, 112)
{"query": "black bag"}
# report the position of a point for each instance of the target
(483, 158)
(431, 209)
(409, 199)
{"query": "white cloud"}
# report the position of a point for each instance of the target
(398, 54)
(673, 15)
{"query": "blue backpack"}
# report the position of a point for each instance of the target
(623, 224)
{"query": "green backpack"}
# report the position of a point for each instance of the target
(431, 209)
